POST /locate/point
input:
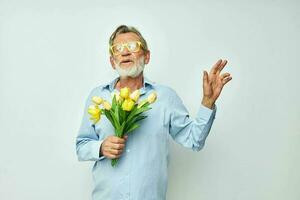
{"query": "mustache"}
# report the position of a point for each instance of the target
(126, 60)
(135, 61)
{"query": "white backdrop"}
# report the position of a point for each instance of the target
(52, 53)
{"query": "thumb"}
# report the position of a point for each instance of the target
(205, 77)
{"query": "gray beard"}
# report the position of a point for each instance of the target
(132, 71)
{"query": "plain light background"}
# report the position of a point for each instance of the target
(52, 53)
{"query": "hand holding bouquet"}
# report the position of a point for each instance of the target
(124, 112)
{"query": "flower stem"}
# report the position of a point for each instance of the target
(114, 161)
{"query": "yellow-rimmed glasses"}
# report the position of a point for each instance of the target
(133, 46)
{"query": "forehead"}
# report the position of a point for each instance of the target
(126, 37)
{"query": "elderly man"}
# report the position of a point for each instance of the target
(141, 172)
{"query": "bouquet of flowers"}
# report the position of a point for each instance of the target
(124, 112)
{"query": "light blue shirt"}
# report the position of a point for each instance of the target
(141, 172)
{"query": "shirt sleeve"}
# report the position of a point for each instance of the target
(191, 133)
(87, 141)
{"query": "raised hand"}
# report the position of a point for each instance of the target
(213, 83)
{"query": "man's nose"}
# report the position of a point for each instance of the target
(125, 52)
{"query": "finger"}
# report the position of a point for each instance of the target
(221, 66)
(117, 140)
(109, 150)
(226, 80)
(117, 146)
(111, 156)
(222, 76)
(205, 77)
(115, 152)
(215, 67)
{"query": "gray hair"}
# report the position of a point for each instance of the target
(127, 29)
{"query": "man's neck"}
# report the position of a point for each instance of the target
(132, 83)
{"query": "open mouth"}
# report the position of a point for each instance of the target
(126, 61)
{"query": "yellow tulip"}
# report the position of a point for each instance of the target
(125, 92)
(142, 103)
(94, 110)
(95, 119)
(127, 104)
(118, 98)
(93, 107)
(106, 105)
(152, 97)
(135, 95)
(97, 100)
(95, 113)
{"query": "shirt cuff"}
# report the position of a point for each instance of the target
(205, 113)
(97, 147)
(101, 156)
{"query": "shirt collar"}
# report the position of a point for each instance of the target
(146, 84)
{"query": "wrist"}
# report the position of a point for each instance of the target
(207, 102)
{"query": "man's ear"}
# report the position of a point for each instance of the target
(111, 59)
(147, 57)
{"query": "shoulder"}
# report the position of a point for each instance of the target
(97, 89)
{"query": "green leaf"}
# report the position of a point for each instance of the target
(132, 112)
(109, 117)
(134, 126)
(122, 115)
(133, 121)
(139, 118)
(145, 104)
(117, 114)
(116, 123)
(114, 103)
(143, 109)
(138, 112)
(122, 129)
